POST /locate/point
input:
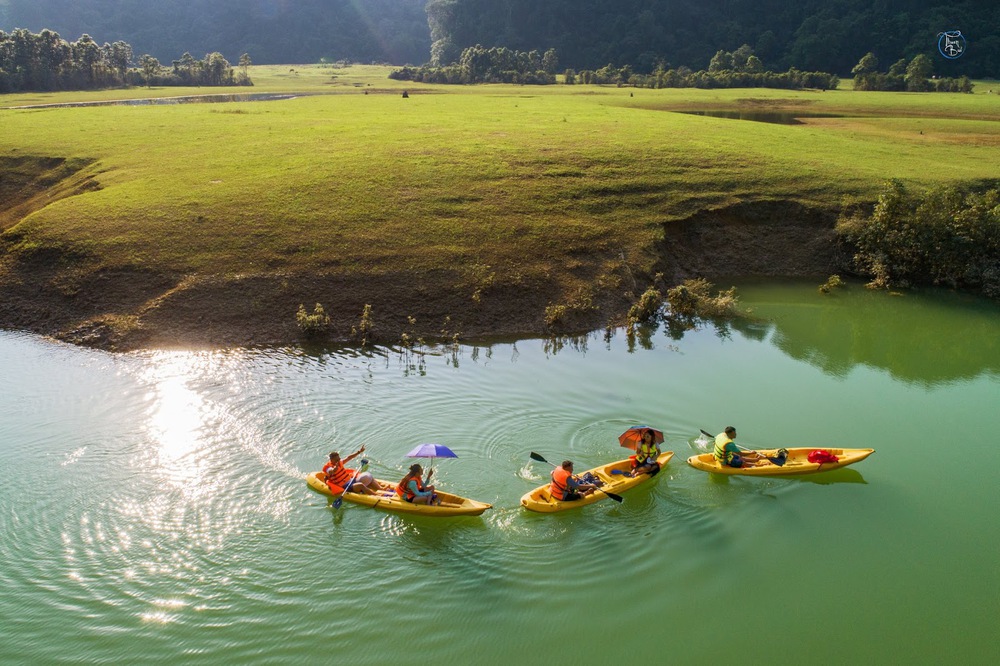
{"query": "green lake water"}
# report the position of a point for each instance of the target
(153, 508)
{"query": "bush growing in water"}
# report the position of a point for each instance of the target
(647, 307)
(693, 298)
(832, 282)
(945, 236)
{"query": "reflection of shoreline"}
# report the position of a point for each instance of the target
(927, 338)
(842, 475)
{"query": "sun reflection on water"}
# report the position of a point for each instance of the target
(177, 423)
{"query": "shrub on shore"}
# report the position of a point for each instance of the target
(312, 325)
(944, 236)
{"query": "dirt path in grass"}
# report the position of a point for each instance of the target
(131, 309)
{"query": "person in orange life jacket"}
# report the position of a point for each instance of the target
(645, 455)
(565, 487)
(338, 476)
(415, 491)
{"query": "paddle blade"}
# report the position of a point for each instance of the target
(537, 456)
(707, 434)
(337, 502)
(617, 498)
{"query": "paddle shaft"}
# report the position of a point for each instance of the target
(539, 458)
(340, 498)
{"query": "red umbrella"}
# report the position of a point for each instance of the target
(632, 437)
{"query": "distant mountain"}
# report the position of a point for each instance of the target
(824, 35)
(271, 31)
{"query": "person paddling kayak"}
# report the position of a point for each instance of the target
(338, 477)
(727, 453)
(565, 486)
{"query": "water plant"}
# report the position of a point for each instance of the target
(693, 298)
(832, 282)
(647, 307)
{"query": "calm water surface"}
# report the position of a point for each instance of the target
(154, 510)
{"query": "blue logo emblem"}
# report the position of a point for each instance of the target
(951, 44)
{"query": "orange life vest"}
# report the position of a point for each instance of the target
(403, 489)
(559, 487)
(338, 474)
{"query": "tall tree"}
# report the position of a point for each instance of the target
(918, 72)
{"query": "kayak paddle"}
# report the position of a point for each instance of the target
(340, 498)
(539, 458)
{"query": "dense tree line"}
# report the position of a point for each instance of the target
(45, 61)
(273, 31)
(913, 76)
(494, 65)
(739, 69)
(820, 35)
(684, 77)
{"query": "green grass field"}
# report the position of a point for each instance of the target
(506, 182)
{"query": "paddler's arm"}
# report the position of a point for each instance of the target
(354, 455)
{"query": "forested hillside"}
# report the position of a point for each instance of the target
(811, 35)
(826, 35)
(271, 31)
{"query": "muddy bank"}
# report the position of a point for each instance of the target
(132, 308)
(752, 239)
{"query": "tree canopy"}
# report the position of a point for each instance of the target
(271, 31)
(821, 35)
(809, 35)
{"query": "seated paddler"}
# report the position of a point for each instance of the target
(646, 453)
(728, 454)
(339, 477)
(566, 487)
(415, 490)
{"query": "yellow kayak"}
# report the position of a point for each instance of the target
(796, 463)
(451, 505)
(540, 500)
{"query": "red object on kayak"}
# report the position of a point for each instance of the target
(820, 456)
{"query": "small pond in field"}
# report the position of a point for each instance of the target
(159, 101)
(777, 117)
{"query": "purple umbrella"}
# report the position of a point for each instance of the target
(432, 451)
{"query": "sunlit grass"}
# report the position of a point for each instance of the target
(518, 178)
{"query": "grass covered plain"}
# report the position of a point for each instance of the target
(474, 205)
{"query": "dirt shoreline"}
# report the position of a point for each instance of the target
(130, 309)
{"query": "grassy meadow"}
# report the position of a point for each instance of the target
(494, 185)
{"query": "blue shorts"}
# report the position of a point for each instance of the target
(736, 461)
